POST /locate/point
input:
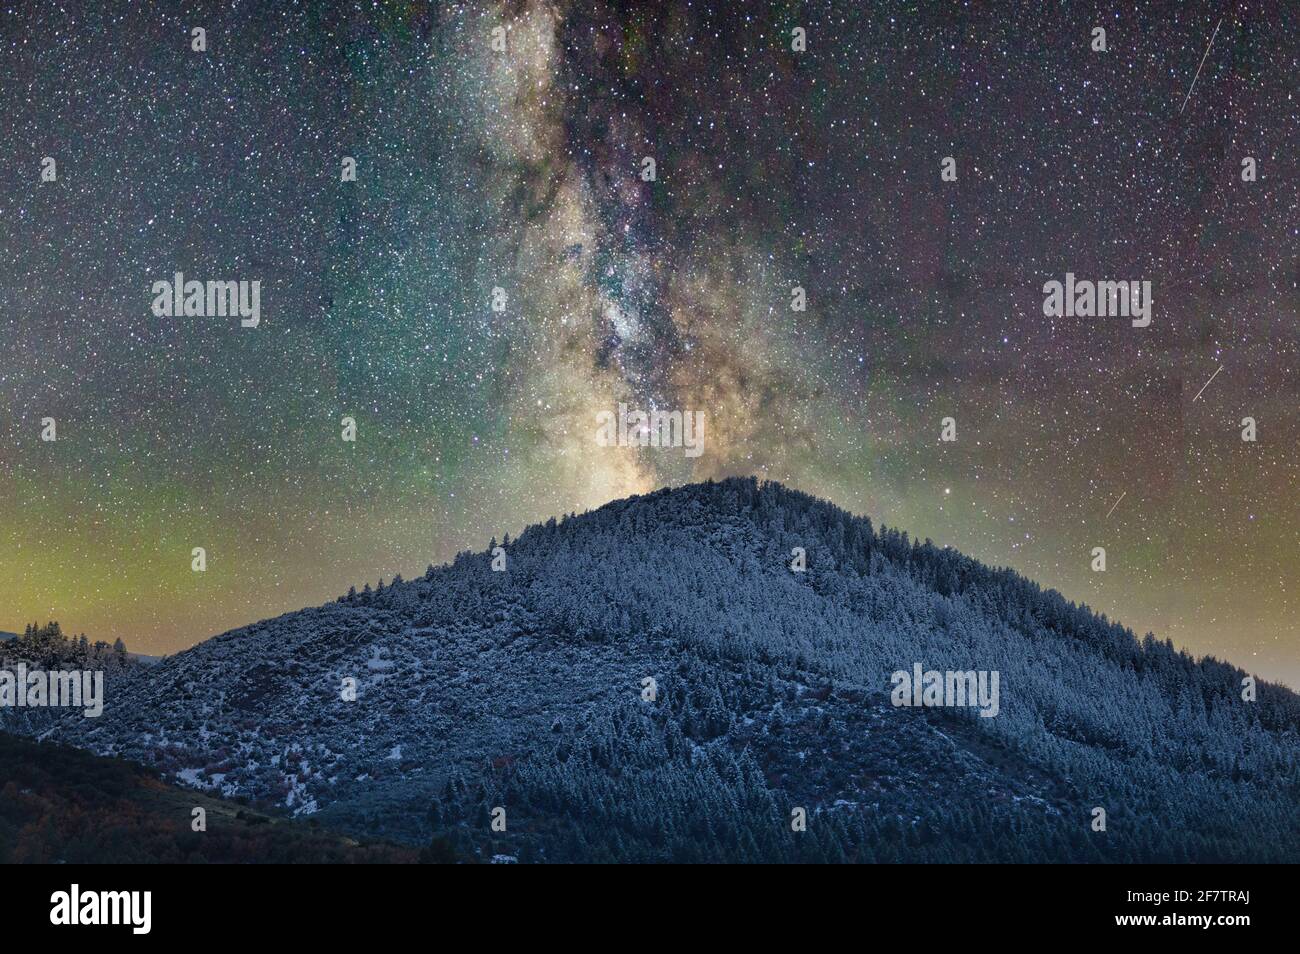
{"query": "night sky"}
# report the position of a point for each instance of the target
(522, 170)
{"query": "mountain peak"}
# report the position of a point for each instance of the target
(671, 675)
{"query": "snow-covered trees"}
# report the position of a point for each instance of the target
(524, 689)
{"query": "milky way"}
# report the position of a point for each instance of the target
(521, 173)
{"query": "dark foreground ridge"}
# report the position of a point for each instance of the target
(62, 805)
(527, 689)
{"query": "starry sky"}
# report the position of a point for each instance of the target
(521, 170)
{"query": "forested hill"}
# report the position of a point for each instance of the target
(529, 689)
(59, 805)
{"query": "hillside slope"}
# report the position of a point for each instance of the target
(524, 689)
(59, 804)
